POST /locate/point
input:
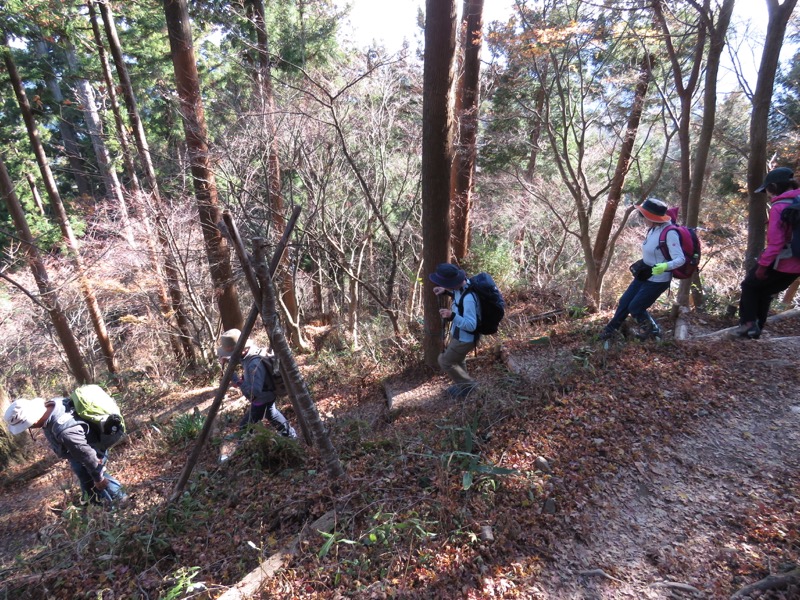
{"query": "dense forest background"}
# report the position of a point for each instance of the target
(572, 115)
(140, 140)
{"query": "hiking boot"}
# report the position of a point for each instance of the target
(748, 330)
(606, 334)
(461, 390)
(648, 329)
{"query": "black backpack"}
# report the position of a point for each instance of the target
(273, 382)
(791, 217)
(492, 307)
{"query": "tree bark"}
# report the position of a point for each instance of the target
(762, 99)
(122, 133)
(48, 292)
(65, 128)
(466, 112)
(194, 126)
(286, 285)
(685, 90)
(60, 213)
(595, 270)
(440, 42)
(294, 379)
(718, 30)
(94, 128)
(37, 198)
(175, 304)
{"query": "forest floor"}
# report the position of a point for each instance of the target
(644, 470)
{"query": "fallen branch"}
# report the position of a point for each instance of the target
(599, 573)
(253, 581)
(682, 324)
(546, 316)
(787, 314)
(770, 582)
(684, 587)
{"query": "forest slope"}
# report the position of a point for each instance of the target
(641, 471)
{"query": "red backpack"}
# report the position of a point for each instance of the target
(690, 244)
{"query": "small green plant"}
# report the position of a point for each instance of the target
(467, 460)
(330, 540)
(272, 451)
(184, 428)
(182, 581)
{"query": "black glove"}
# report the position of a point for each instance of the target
(641, 271)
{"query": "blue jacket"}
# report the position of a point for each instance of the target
(465, 318)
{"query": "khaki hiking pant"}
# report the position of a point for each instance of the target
(453, 361)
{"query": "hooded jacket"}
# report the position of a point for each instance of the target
(779, 235)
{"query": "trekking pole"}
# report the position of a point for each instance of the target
(444, 325)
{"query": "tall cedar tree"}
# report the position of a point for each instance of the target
(466, 112)
(187, 81)
(92, 306)
(171, 271)
(437, 121)
(265, 93)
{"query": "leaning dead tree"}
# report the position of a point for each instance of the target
(306, 411)
(47, 291)
(298, 389)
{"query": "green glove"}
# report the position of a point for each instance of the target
(659, 268)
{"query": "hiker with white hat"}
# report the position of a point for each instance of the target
(69, 438)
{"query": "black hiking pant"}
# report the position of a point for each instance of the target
(757, 294)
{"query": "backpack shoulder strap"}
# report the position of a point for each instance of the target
(67, 420)
(662, 240)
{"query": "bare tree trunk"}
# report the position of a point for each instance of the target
(205, 187)
(466, 112)
(37, 198)
(176, 303)
(536, 130)
(65, 128)
(122, 133)
(48, 293)
(685, 90)
(286, 281)
(718, 30)
(308, 410)
(94, 128)
(440, 43)
(60, 213)
(594, 271)
(779, 14)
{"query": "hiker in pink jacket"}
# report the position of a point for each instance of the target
(776, 268)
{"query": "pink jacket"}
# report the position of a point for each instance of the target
(778, 236)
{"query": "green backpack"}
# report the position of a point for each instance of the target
(99, 410)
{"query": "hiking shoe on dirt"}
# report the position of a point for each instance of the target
(748, 330)
(462, 390)
(606, 334)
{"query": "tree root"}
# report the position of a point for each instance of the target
(675, 585)
(787, 314)
(599, 573)
(770, 582)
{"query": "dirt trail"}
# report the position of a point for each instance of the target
(709, 503)
(671, 527)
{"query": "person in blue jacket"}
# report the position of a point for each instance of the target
(463, 314)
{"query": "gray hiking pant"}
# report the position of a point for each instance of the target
(453, 361)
